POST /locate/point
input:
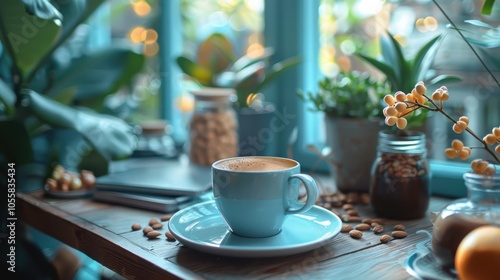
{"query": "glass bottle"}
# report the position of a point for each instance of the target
(457, 219)
(400, 176)
(213, 126)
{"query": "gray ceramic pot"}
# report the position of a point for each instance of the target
(354, 145)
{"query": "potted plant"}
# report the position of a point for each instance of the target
(45, 82)
(353, 118)
(216, 65)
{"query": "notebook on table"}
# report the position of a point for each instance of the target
(165, 178)
(164, 204)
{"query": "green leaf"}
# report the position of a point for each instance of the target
(7, 97)
(203, 75)
(384, 68)
(25, 37)
(389, 53)
(75, 12)
(42, 9)
(487, 7)
(111, 137)
(15, 143)
(118, 64)
(403, 66)
(479, 23)
(277, 70)
(247, 60)
(423, 59)
(215, 53)
(247, 80)
(443, 79)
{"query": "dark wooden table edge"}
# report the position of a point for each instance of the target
(41, 216)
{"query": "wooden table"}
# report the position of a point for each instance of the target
(103, 232)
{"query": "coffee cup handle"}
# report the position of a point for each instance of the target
(311, 190)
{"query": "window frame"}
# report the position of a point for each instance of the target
(291, 33)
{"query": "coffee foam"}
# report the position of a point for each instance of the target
(250, 164)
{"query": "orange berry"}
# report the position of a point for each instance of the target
(445, 96)
(463, 154)
(400, 106)
(391, 120)
(462, 125)
(469, 150)
(464, 119)
(457, 129)
(436, 96)
(421, 99)
(451, 153)
(391, 111)
(402, 122)
(490, 170)
(496, 132)
(400, 96)
(497, 149)
(457, 144)
(410, 97)
(480, 166)
(389, 100)
(420, 89)
(490, 139)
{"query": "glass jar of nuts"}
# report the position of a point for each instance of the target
(400, 176)
(213, 126)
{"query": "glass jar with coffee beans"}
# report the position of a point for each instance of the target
(400, 176)
(213, 126)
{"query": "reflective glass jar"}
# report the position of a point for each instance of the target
(457, 219)
(213, 126)
(400, 176)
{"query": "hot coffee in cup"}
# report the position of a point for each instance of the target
(255, 194)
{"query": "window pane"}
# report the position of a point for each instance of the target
(137, 22)
(355, 25)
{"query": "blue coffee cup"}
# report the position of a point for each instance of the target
(255, 194)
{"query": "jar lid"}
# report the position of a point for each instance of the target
(412, 142)
(213, 93)
(153, 127)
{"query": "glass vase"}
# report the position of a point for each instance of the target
(457, 219)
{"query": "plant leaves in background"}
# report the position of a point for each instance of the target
(443, 79)
(113, 138)
(277, 70)
(216, 53)
(15, 142)
(382, 67)
(42, 9)
(423, 59)
(25, 37)
(117, 63)
(198, 72)
(248, 60)
(74, 13)
(487, 7)
(7, 97)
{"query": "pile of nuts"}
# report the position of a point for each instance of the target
(151, 231)
(65, 180)
(342, 205)
(212, 137)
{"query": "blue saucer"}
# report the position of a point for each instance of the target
(201, 227)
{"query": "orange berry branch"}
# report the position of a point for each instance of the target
(401, 105)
